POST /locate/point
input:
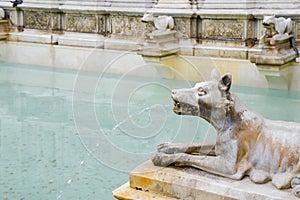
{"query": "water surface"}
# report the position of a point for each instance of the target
(69, 135)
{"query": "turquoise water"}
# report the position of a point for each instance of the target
(69, 135)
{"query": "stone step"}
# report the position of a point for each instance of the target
(190, 183)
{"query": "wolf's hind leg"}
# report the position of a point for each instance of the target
(296, 185)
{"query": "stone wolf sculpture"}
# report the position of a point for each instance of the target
(247, 143)
(277, 27)
(161, 23)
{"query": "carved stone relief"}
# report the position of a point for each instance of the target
(81, 23)
(223, 29)
(41, 20)
(183, 27)
(130, 26)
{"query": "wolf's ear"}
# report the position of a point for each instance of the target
(225, 82)
(215, 74)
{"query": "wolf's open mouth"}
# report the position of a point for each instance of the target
(181, 108)
(177, 106)
(266, 24)
(176, 103)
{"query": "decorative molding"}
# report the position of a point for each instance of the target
(174, 4)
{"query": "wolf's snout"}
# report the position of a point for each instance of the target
(173, 96)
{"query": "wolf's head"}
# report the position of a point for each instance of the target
(210, 100)
(148, 17)
(269, 20)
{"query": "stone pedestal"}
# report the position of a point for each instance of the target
(159, 44)
(150, 182)
(278, 54)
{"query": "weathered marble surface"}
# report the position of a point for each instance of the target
(218, 27)
(188, 183)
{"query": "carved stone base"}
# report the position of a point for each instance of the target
(160, 43)
(279, 54)
(148, 180)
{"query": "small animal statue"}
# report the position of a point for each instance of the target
(276, 27)
(161, 23)
(16, 2)
(247, 144)
(2, 13)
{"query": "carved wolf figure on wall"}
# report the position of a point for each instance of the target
(247, 143)
(161, 23)
(277, 27)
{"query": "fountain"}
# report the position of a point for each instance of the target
(180, 39)
(225, 32)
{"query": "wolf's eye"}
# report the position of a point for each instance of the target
(201, 92)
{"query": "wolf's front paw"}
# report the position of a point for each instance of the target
(168, 148)
(162, 159)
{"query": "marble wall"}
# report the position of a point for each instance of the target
(201, 22)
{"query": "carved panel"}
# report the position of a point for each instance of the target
(128, 26)
(183, 27)
(82, 23)
(223, 29)
(41, 20)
